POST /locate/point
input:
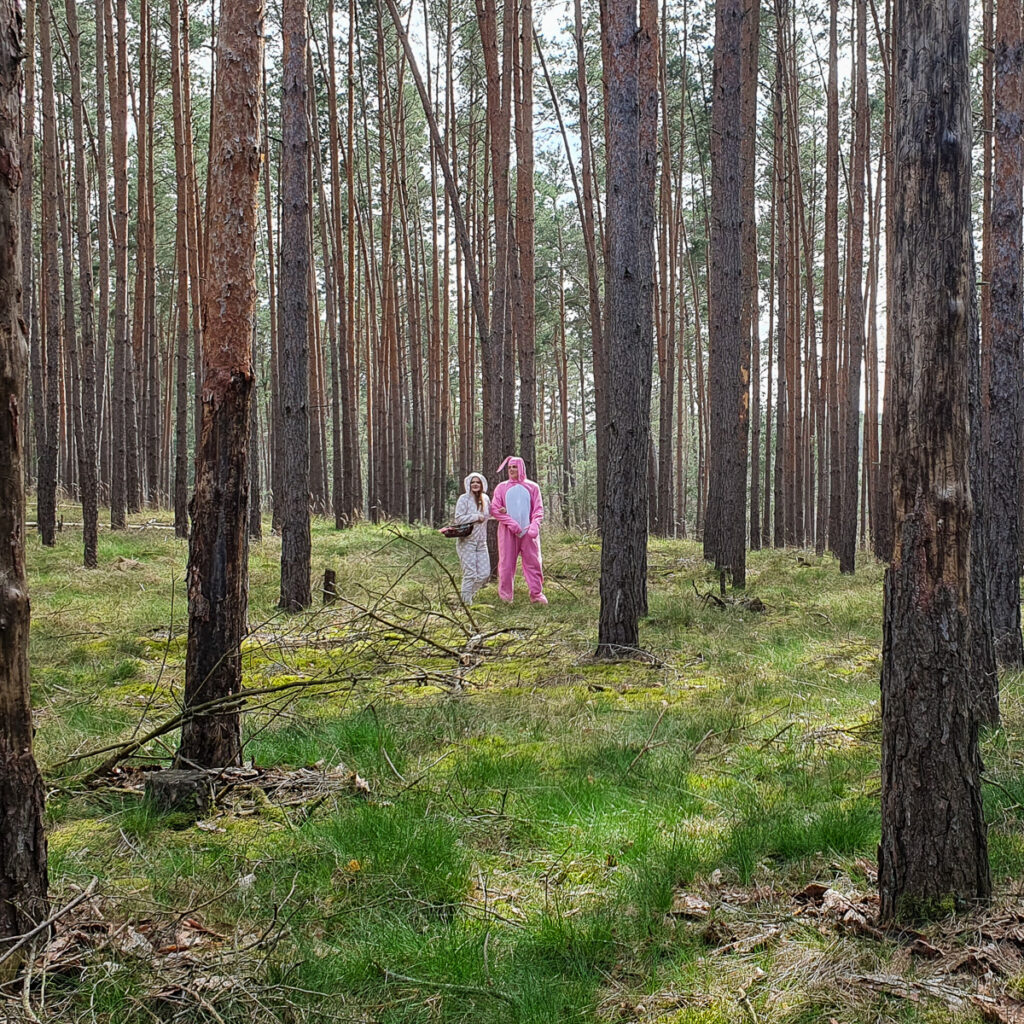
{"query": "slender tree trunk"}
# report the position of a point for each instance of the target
(341, 458)
(1007, 311)
(781, 524)
(933, 851)
(725, 532)
(23, 876)
(525, 216)
(597, 329)
(293, 315)
(46, 497)
(118, 84)
(855, 303)
(218, 546)
(103, 252)
(27, 194)
(182, 274)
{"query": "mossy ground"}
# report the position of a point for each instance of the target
(533, 815)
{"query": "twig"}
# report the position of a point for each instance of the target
(700, 743)
(399, 535)
(471, 990)
(647, 745)
(26, 985)
(747, 1005)
(419, 778)
(53, 918)
(709, 596)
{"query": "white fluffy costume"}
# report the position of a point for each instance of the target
(472, 550)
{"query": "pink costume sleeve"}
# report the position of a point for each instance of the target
(503, 518)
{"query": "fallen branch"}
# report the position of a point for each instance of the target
(709, 596)
(648, 745)
(470, 990)
(227, 702)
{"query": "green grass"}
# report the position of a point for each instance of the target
(526, 834)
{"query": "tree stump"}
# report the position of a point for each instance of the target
(187, 790)
(330, 586)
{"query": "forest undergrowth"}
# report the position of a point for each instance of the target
(460, 816)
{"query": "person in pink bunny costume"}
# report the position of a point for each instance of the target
(516, 505)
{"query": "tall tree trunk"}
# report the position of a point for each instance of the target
(630, 51)
(781, 524)
(46, 496)
(725, 532)
(27, 194)
(750, 47)
(597, 329)
(218, 546)
(855, 302)
(23, 876)
(830, 296)
(103, 252)
(341, 464)
(117, 77)
(1007, 309)
(933, 850)
(293, 315)
(527, 325)
(181, 270)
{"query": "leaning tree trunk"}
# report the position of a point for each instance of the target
(218, 576)
(23, 878)
(933, 853)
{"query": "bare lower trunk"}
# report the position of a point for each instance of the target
(23, 878)
(218, 578)
(933, 851)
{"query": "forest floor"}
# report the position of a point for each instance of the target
(464, 818)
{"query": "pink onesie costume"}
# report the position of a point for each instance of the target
(518, 531)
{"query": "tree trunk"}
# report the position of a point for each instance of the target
(293, 314)
(630, 51)
(526, 328)
(46, 496)
(1007, 306)
(182, 273)
(23, 878)
(933, 851)
(218, 547)
(118, 85)
(855, 303)
(725, 532)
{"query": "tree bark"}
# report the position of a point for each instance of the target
(46, 494)
(725, 532)
(933, 852)
(218, 547)
(23, 876)
(181, 207)
(1007, 308)
(293, 314)
(629, 48)
(855, 303)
